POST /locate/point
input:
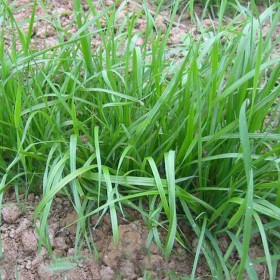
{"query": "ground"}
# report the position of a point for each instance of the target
(130, 259)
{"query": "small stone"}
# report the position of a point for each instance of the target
(29, 241)
(10, 213)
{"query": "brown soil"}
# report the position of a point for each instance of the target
(45, 36)
(130, 259)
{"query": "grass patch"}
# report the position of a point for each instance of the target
(189, 129)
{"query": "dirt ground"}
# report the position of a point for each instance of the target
(130, 259)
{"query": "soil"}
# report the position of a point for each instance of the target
(130, 259)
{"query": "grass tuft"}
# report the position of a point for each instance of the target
(190, 130)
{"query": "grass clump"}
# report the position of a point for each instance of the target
(194, 137)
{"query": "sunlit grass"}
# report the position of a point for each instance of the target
(125, 125)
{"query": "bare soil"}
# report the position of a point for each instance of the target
(130, 259)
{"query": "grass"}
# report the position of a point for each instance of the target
(211, 8)
(184, 129)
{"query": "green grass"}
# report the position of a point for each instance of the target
(183, 129)
(210, 7)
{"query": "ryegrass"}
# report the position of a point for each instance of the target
(192, 137)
